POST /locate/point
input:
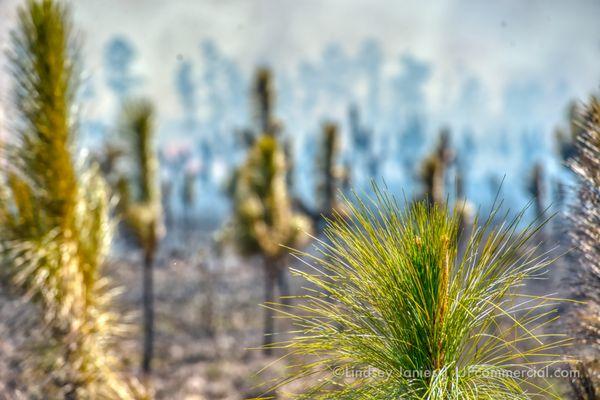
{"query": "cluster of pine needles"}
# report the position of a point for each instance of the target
(391, 292)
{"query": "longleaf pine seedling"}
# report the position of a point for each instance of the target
(140, 203)
(435, 168)
(264, 102)
(55, 228)
(585, 234)
(394, 312)
(330, 175)
(263, 213)
(264, 218)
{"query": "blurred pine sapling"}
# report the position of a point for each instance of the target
(361, 136)
(288, 152)
(584, 215)
(55, 228)
(566, 137)
(330, 174)
(566, 148)
(396, 313)
(188, 195)
(435, 168)
(263, 217)
(536, 187)
(264, 102)
(166, 188)
(264, 221)
(329, 148)
(331, 178)
(140, 204)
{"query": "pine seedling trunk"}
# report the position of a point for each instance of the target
(209, 308)
(271, 275)
(148, 306)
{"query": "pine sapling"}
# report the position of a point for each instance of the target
(434, 170)
(584, 216)
(264, 102)
(264, 221)
(394, 311)
(537, 189)
(140, 203)
(55, 226)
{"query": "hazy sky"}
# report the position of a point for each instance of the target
(555, 41)
(543, 53)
